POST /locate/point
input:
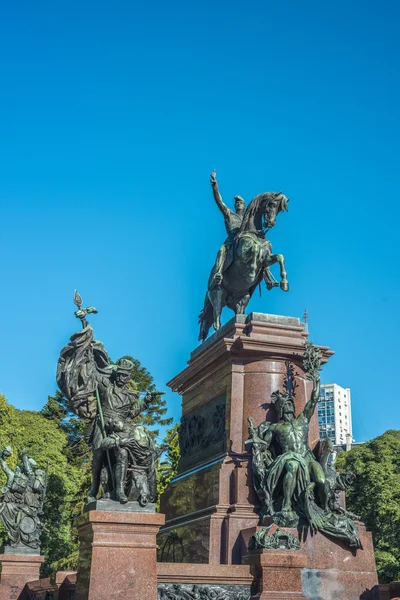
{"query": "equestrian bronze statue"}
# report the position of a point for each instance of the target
(244, 259)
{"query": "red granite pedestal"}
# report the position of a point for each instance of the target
(322, 568)
(117, 555)
(278, 574)
(16, 571)
(230, 377)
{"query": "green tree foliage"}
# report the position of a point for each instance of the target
(10, 430)
(375, 496)
(168, 466)
(47, 442)
(143, 382)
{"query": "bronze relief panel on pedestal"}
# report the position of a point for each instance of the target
(202, 433)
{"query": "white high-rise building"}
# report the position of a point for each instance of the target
(334, 413)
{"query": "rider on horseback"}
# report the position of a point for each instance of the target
(233, 221)
(244, 259)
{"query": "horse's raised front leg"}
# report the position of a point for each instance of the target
(279, 258)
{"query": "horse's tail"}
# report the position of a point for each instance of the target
(206, 318)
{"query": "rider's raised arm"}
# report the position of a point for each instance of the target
(312, 403)
(217, 196)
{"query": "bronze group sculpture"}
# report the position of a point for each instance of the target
(296, 486)
(101, 393)
(244, 259)
(21, 503)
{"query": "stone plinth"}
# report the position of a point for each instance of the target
(331, 570)
(390, 591)
(278, 574)
(229, 377)
(16, 571)
(117, 555)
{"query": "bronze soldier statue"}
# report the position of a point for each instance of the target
(100, 391)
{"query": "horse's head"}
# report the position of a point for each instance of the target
(262, 210)
(276, 203)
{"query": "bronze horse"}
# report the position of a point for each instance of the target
(247, 263)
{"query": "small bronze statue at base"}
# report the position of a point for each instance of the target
(21, 502)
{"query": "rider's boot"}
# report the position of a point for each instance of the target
(216, 300)
(217, 323)
(219, 265)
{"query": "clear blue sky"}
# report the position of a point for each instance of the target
(112, 116)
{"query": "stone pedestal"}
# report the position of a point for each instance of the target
(117, 555)
(278, 574)
(229, 377)
(322, 568)
(16, 571)
(389, 591)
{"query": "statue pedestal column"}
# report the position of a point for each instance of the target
(16, 571)
(229, 378)
(278, 574)
(117, 555)
(321, 568)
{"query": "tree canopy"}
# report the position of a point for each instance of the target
(375, 496)
(168, 467)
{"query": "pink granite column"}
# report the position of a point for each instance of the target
(117, 555)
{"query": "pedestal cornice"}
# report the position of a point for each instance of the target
(243, 339)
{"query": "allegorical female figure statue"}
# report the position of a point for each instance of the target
(100, 392)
